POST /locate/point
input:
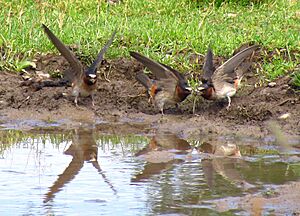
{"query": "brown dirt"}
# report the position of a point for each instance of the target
(284, 202)
(122, 105)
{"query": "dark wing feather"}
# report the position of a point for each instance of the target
(144, 80)
(226, 71)
(208, 67)
(69, 56)
(168, 78)
(158, 69)
(93, 68)
(174, 73)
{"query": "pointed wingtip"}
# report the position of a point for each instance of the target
(255, 46)
(115, 31)
(93, 68)
(132, 53)
(47, 30)
(44, 27)
(113, 34)
(209, 53)
(252, 47)
(209, 49)
(135, 55)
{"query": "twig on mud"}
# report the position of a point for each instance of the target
(23, 101)
(285, 101)
(106, 75)
(251, 91)
(135, 96)
(131, 98)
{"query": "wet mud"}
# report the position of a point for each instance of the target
(32, 99)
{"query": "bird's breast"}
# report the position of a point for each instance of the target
(180, 94)
(209, 93)
(82, 89)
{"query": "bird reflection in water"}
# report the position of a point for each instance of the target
(222, 159)
(163, 151)
(83, 149)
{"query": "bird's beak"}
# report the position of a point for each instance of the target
(188, 88)
(200, 89)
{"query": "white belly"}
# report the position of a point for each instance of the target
(226, 91)
(80, 92)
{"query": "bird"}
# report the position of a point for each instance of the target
(161, 153)
(83, 80)
(83, 149)
(169, 86)
(224, 81)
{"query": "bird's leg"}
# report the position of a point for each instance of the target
(151, 100)
(162, 111)
(76, 101)
(93, 101)
(178, 108)
(229, 102)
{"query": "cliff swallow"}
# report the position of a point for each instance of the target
(83, 80)
(169, 87)
(83, 149)
(163, 151)
(224, 81)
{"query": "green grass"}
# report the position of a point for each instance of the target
(166, 30)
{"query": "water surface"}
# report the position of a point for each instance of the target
(84, 172)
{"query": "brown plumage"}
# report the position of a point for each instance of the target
(169, 86)
(208, 67)
(83, 81)
(162, 152)
(224, 81)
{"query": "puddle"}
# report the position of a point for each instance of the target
(81, 171)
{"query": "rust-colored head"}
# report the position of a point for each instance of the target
(182, 92)
(207, 91)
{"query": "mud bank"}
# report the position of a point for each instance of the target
(121, 104)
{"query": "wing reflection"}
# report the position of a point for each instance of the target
(163, 151)
(222, 159)
(83, 148)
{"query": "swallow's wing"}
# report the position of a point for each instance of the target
(226, 72)
(208, 67)
(167, 85)
(168, 78)
(243, 67)
(160, 71)
(93, 68)
(174, 73)
(144, 80)
(69, 56)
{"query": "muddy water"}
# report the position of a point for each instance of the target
(84, 172)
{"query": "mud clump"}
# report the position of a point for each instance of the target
(251, 113)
